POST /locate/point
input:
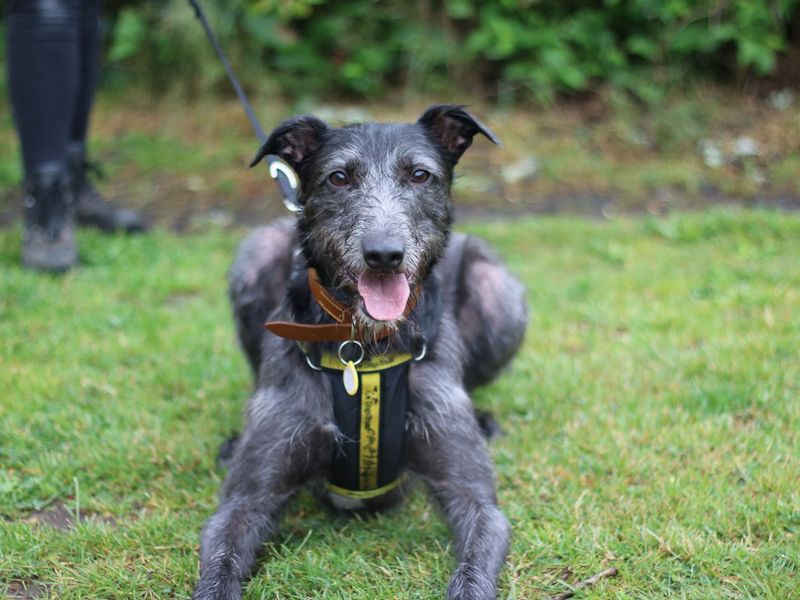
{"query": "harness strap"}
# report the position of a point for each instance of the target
(365, 494)
(368, 461)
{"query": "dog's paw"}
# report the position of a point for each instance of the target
(468, 584)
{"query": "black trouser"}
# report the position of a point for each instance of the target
(53, 56)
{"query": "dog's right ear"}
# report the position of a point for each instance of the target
(293, 140)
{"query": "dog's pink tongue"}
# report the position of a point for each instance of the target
(385, 296)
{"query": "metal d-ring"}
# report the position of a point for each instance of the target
(343, 345)
(311, 364)
(422, 352)
(307, 354)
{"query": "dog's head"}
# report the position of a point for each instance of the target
(376, 200)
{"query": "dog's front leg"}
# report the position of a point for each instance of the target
(448, 451)
(283, 445)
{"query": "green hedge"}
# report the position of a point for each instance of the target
(501, 48)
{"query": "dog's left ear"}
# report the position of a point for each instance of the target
(293, 140)
(453, 128)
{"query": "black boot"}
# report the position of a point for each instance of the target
(91, 209)
(49, 240)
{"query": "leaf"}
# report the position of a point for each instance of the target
(642, 46)
(758, 56)
(129, 35)
(460, 9)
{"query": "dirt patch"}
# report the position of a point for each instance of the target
(60, 517)
(25, 590)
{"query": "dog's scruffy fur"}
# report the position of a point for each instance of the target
(364, 185)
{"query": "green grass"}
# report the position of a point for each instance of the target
(652, 420)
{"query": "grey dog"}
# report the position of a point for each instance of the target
(375, 224)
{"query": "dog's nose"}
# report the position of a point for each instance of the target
(383, 253)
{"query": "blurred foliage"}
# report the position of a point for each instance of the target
(500, 49)
(509, 49)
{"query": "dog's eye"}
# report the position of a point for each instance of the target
(420, 176)
(338, 178)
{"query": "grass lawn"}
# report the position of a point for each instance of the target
(652, 421)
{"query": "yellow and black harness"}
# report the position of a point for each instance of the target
(368, 461)
(370, 400)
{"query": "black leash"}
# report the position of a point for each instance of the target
(279, 170)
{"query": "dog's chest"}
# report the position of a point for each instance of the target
(367, 461)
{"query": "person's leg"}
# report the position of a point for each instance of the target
(42, 62)
(42, 69)
(89, 46)
(92, 210)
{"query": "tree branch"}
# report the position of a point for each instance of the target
(611, 572)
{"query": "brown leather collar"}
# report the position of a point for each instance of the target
(343, 329)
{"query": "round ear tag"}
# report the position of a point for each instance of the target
(350, 378)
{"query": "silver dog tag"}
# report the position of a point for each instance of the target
(350, 378)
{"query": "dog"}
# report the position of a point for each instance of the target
(368, 273)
